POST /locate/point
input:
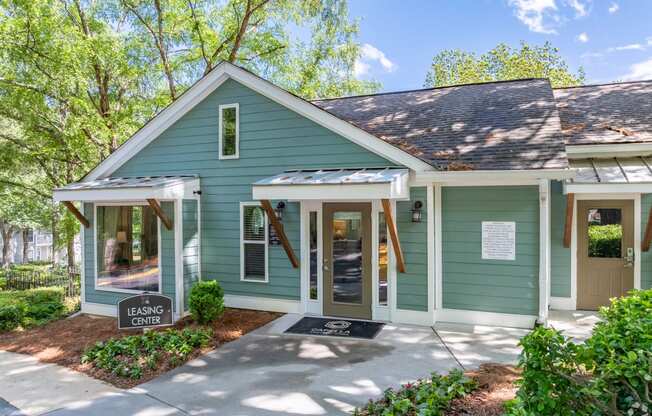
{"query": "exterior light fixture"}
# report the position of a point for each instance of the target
(416, 211)
(280, 207)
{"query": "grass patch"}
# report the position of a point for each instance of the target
(424, 397)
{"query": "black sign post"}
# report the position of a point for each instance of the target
(145, 311)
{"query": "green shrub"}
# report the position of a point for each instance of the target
(11, 316)
(3, 282)
(427, 397)
(35, 306)
(609, 374)
(131, 355)
(206, 301)
(605, 240)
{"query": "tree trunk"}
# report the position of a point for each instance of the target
(70, 251)
(7, 231)
(25, 233)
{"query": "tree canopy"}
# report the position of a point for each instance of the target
(78, 77)
(454, 66)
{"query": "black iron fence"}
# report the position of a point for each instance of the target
(68, 279)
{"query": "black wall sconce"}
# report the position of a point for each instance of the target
(416, 211)
(280, 207)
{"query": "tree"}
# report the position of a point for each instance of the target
(78, 77)
(452, 67)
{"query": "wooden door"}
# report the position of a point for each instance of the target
(605, 251)
(347, 260)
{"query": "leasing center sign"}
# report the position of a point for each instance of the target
(144, 311)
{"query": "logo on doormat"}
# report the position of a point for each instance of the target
(338, 325)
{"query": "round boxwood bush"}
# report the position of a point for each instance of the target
(206, 301)
(11, 316)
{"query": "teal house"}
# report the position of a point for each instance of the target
(484, 204)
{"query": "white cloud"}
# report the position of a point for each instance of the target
(630, 47)
(583, 37)
(369, 54)
(360, 68)
(613, 8)
(579, 7)
(639, 71)
(544, 16)
(535, 13)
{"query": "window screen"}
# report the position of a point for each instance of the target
(254, 243)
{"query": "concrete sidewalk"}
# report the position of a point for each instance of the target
(267, 372)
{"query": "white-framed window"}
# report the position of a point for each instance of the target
(229, 131)
(127, 248)
(253, 243)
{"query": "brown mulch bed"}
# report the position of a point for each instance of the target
(495, 387)
(64, 341)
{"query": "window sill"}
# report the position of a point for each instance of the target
(131, 291)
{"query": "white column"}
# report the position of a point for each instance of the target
(178, 257)
(430, 207)
(439, 286)
(544, 249)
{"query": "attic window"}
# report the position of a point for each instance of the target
(229, 131)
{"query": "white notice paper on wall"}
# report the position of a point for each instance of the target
(498, 240)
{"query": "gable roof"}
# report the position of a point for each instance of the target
(505, 125)
(209, 83)
(606, 114)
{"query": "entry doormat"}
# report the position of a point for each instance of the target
(336, 327)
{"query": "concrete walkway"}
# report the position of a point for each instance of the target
(267, 372)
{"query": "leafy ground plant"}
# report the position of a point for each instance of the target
(424, 397)
(129, 356)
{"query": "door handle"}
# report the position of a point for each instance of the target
(629, 257)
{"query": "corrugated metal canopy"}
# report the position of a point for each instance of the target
(133, 188)
(333, 176)
(351, 184)
(632, 170)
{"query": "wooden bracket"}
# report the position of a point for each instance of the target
(645, 245)
(159, 213)
(74, 211)
(568, 225)
(280, 232)
(393, 233)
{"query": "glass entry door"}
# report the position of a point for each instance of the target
(605, 251)
(347, 260)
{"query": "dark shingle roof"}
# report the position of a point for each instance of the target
(606, 114)
(491, 126)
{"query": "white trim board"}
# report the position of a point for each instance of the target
(608, 150)
(486, 318)
(99, 309)
(262, 304)
(205, 86)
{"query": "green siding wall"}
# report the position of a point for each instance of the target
(471, 283)
(272, 139)
(560, 257)
(190, 247)
(646, 256)
(167, 260)
(412, 286)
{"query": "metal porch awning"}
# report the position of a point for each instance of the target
(129, 189)
(335, 184)
(612, 175)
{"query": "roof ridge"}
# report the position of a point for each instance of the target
(605, 84)
(468, 84)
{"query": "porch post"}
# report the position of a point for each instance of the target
(544, 250)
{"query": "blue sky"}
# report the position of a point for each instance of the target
(612, 40)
